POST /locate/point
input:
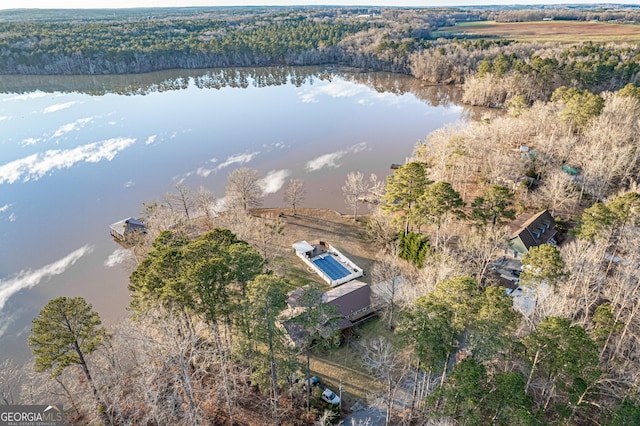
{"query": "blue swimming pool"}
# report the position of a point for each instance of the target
(332, 267)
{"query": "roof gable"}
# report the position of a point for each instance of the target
(535, 230)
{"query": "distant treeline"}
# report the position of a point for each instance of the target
(142, 46)
(391, 40)
(629, 14)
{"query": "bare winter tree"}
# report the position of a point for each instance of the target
(243, 189)
(158, 217)
(326, 419)
(558, 193)
(182, 201)
(159, 378)
(294, 193)
(240, 222)
(206, 201)
(381, 231)
(389, 365)
(477, 250)
(10, 379)
(267, 236)
(387, 273)
(37, 387)
(375, 190)
(579, 293)
(354, 189)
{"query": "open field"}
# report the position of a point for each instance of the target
(556, 31)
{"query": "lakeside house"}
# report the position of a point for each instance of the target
(328, 262)
(531, 230)
(352, 300)
(121, 229)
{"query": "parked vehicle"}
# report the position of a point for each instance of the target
(313, 381)
(329, 396)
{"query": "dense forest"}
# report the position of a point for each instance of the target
(558, 345)
(397, 40)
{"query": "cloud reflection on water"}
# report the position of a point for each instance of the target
(339, 88)
(273, 181)
(118, 256)
(11, 217)
(27, 96)
(237, 159)
(241, 158)
(70, 127)
(30, 278)
(35, 166)
(58, 107)
(330, 160)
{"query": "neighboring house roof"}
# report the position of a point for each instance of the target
(295, 331)
(532, 230)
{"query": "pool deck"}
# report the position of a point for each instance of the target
(328, 262)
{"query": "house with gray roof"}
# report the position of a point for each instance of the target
(352, 300)
(531, 230)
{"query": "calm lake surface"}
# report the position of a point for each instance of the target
(79, 153)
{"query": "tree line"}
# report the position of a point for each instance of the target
(204, 303)
(394, 40)
(126, 47)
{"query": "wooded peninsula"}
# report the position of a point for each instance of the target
(502, 257)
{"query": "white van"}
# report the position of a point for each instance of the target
(329, 396)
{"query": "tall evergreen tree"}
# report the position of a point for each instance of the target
(65, 331)
(493, 207)
(437, 204)
(563, 360)
(266, 299)
(404, 187)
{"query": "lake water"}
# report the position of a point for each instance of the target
(79, 153)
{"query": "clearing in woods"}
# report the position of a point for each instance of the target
(341, 365)
(556, 31)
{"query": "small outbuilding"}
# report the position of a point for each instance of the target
(121, 229)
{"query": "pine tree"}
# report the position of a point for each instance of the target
(65, 331)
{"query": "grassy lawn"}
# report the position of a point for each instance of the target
(298, 276)
(549, 31)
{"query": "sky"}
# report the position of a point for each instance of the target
(90, 4)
